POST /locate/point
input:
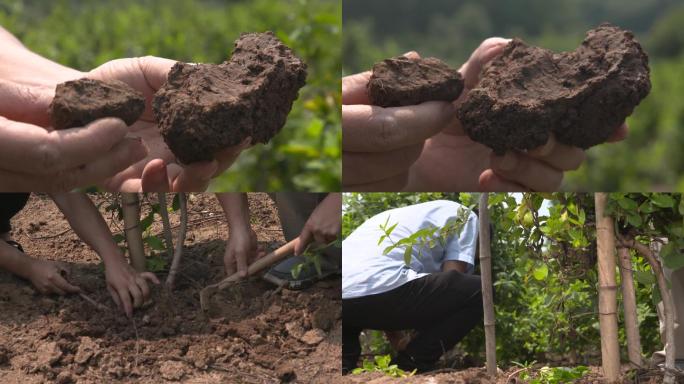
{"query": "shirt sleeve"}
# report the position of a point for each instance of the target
(462, 248)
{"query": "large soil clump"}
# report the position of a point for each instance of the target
(402, 81)
(82, 101)
(581, 97)
(204, 108)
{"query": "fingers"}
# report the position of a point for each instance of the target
(394, 183)
(355, 88)
(155, 69)
(154, 177)
(28, 104)
(303, 240)
(126, 303)
(375, 129)
(150, 277)
(227, 157)
(359, 168)
(560, 156)
(195, 177)
(144, 289)
(136, 293)
(526, 171)
(620, 134)
(115, 297)
(488, 50)
(490, 182)
(30, 149)
(241, 260)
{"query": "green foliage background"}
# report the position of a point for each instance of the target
(544, 268)
(650, 159)
(86, 33)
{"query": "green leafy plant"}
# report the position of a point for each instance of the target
(383, 364)
(553, 375)
(312, 257)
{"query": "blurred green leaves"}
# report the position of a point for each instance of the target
(304, 156)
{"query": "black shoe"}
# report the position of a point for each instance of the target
(281, 273)
(409, 364)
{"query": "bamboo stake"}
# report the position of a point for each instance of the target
(166, 223)
(178, 253)
(605, 238)
(130, 204)
(487, 288)
(630, 309)
(253, 268)
(668, 307)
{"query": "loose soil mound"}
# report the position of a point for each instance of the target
(80, 102)
(581, 97)
(204, 108)
(254, 334)
(402, 81)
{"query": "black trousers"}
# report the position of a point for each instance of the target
(10, 205)
(442, 307)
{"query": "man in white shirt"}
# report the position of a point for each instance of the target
(434, 294)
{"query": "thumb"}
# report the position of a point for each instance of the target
(27, 104)
(486, 52)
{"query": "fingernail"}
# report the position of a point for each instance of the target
(246, 143)
(507, 162)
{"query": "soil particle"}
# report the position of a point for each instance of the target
(172, 370)
(87, 348)
(64, 377)
(204, 108)
(47, 354)
(313, 337)
(401, 81)
(582, 97)
(82, 101)
(286, 373)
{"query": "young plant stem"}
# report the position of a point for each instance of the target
(630, 309)
(178, 253)
(487, 288)
(605, 239)
(166, 223)
(668, 305)
(130, 204)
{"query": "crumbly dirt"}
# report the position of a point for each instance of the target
(254, 333)
(82, 101)
(205, 108)
(401, 81)
(581, 97)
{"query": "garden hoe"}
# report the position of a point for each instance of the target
(257, 266)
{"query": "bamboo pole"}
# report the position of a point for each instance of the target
(130, 204)
(668, 307)
(630, 309)
(605, 238)
(178, 253)
(487, 288)
(166, 224)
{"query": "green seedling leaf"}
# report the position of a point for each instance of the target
(662, 200)
(644, 277)
(155, 243)
(541, 273)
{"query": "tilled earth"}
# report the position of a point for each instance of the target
(253, 333)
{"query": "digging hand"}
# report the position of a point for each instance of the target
(50, 277)
(128, 288)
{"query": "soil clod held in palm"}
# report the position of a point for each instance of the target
(402, 81)
(582, 96)
(82, 101)
(204, 108)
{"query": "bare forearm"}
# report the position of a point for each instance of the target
(88, 223)
(236, 209)
(19, 65)
(14, 261)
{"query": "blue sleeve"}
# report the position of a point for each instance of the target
(462, 248)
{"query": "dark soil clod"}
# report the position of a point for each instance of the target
(82, 101)
(581, 97)
(205, 108)
(402, 81)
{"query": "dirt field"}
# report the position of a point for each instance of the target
(253, 334)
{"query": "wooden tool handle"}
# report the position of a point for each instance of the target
(261, 263)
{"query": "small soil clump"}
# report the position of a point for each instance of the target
(581, 97)
(401, 81)
(205, 108)
(80, 102)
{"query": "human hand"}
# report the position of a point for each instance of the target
(50, 277)
(379, 145)
(324, 223)
(241, 250)
(159, 171)
(452, 161)
(128, 287)
(33, 158)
